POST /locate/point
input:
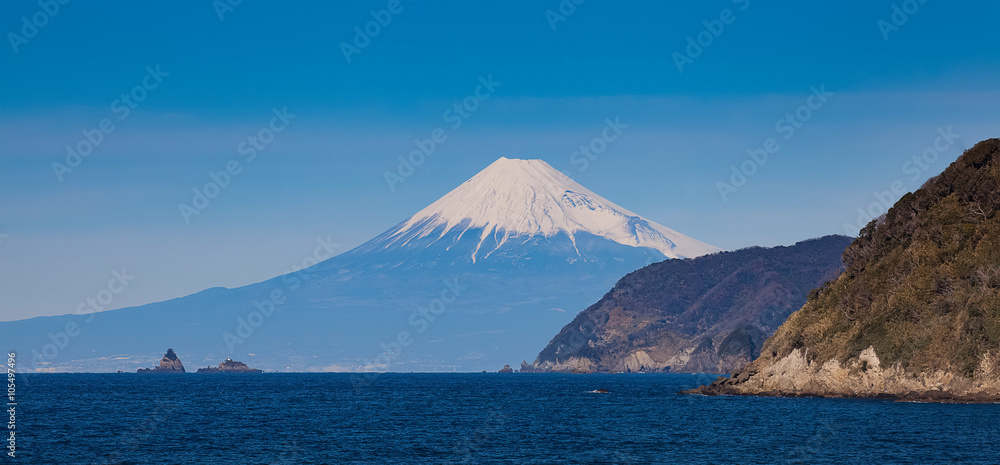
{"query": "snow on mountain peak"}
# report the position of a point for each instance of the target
(514, 197)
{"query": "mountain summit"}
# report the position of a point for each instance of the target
(479, 278)
(512, 200)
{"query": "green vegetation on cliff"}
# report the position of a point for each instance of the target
(922, 283)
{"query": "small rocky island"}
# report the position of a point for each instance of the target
(230, 366)
(168, 364)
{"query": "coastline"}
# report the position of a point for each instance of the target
(862, 377)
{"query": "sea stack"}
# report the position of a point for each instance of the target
(168, 364)
(229, 366)
(916, 313)
(526, 368)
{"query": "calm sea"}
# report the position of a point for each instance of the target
(473, 418)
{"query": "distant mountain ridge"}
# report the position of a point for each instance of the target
(708, 314)
(478, 278)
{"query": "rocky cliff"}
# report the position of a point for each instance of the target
(708, 314)
(168, 364)
(916, 313)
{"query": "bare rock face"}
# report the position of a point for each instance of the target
(506, 369)
(863, 376)
(168, 364)
(637, 362)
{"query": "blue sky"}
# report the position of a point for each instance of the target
(322, 176)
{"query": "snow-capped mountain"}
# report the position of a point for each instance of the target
(514, 200)
(481, 277)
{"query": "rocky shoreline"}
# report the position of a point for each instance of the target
(710, 314)
(861, 378)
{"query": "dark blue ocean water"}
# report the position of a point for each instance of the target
(473, 418)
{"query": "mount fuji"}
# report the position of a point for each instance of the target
(512, 202)
(477, 279)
